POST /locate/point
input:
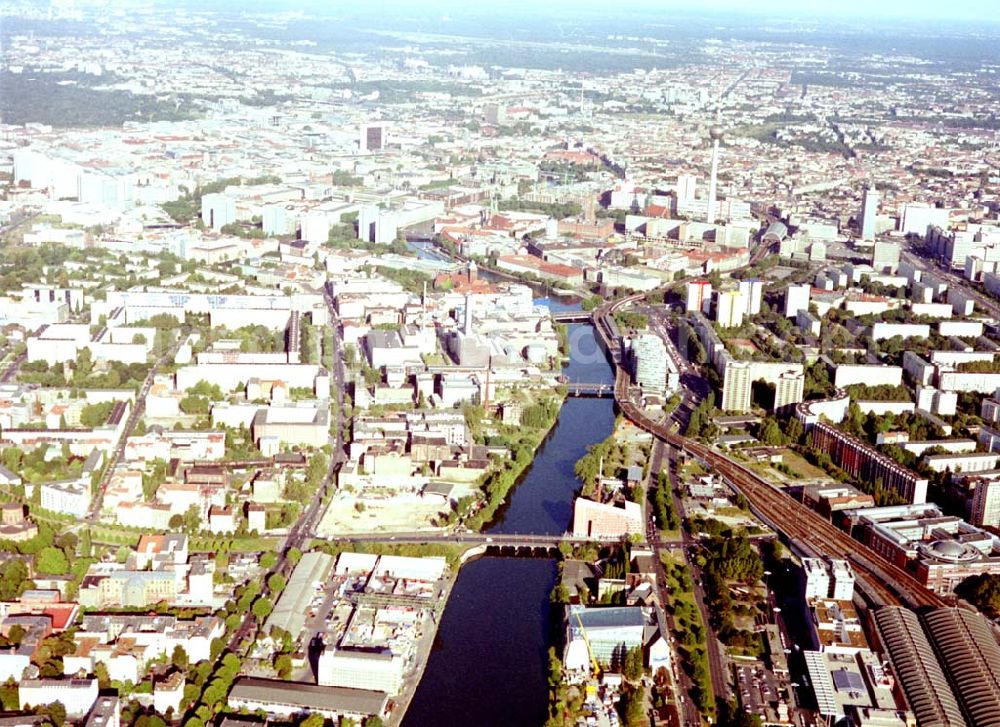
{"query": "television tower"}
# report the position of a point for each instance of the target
(715, 134)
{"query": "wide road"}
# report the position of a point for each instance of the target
(681, 684)
(716, 651)
(133, 420)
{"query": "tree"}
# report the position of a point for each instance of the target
(632, 707)
(13, 579)
(55, 711)
(52, 561)
(101, 673)
(283, 666)
(983, 592)
(192, 519)
(179, 658)
(633, 667)
(276, 583)
(555, 669)
(262, 608)
(770, 433)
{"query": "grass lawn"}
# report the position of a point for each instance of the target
(802, 469)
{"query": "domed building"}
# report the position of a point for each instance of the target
(939, 550)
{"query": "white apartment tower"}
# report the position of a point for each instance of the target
(753, 295)
(869, 209)
(986, 504)
(729, 308)
(699, 296)
(796, 299)
(789, 389)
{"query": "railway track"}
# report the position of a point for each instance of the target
(883, 582)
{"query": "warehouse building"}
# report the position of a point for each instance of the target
(292, 699)
(922, 679)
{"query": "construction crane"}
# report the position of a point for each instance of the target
(591, 688)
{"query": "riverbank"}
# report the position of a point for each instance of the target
(422, 653)
(488, 663)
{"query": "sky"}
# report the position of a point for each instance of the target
(963, 10)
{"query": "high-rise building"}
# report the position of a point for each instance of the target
(372, 138)
(864, 462)
(817, 578)
(736, 386)
(729, 308)
(796, 299)
(753, 295)
(986, 504)
(495, 114)
(649, 362)
(885, 257)
(869, 209)
(686, 188)
(699, 296)
(789, 389)
(842, 586)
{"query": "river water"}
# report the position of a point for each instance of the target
(488, 663)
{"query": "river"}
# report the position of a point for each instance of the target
(488, 663)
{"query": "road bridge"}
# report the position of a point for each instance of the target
(571, 316)
(596, 391)
(515, 540)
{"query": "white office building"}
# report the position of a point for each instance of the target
(842, 580)
(817, 578)
(885, 257)
(699, 296)
(649, 362)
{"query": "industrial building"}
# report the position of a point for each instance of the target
(948, 663)
(370, 669)
(291, 699)
(606, 520)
